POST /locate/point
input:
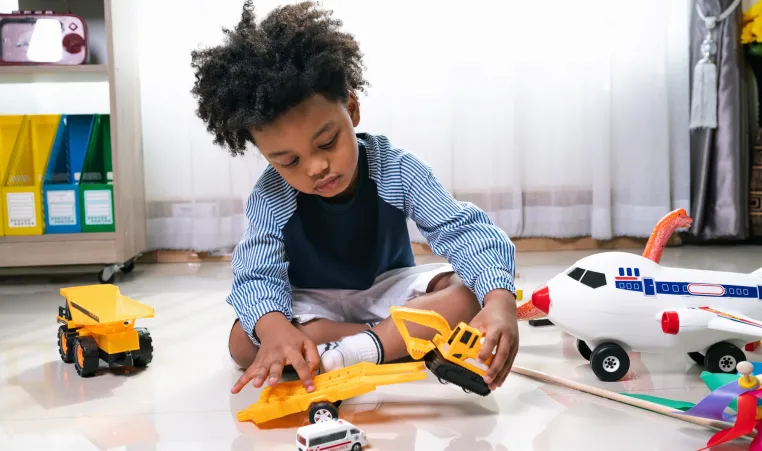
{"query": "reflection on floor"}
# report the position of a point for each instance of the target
(183, 401)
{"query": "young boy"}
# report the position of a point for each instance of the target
(327, 251)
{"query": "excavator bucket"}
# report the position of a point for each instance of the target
(417, 347)
(92, 305)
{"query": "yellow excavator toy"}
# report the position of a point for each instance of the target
(97, 323)
(451, 355)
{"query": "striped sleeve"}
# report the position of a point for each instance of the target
(260, 266)
(479, 251)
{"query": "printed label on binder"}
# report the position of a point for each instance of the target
(21, 211)
(62, 207)
(98, 209)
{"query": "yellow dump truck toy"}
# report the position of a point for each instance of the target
(98, 323)
(451, 355)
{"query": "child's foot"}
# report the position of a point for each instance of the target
(363, 347)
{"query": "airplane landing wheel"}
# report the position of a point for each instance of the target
(610, 362)
(697, 357)
(583, 349)
(323, 411)
(723, 357)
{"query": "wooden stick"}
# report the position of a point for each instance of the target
(636, 402)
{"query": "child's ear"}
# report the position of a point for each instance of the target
(353, 106)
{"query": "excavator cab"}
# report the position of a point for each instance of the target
(451, 354)
(463, 341)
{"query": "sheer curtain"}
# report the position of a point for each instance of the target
(558, 118)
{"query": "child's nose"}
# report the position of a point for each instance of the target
(317, 167)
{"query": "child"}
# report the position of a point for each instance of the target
(327, 251)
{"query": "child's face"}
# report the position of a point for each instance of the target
(313, 146)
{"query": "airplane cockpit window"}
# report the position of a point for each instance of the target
(590, 278)
(575, 273)
(594, 279)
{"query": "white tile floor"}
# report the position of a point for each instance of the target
(183, 401)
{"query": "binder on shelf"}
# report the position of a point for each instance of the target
(9, 129)
(22, 184)
(96, 187)
(62, 206)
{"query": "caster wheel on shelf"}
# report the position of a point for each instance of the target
(128, 267)
(107, 275)
(610, 362)
(723, 357)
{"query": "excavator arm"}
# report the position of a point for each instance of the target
(417, 347)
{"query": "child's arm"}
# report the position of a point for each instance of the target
(480, 252)
(260, 268)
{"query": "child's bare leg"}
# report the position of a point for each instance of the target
(449, 297)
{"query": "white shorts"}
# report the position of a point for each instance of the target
(392, 288)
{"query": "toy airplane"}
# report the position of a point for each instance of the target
(617, 302)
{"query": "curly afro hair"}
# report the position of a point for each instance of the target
(263, 70)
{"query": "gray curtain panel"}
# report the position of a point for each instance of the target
(721, 157)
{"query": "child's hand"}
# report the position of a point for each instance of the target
(497, 320)
(282, 344)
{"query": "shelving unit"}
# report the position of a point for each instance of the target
(108, 85)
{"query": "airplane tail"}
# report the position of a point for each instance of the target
(757, 273)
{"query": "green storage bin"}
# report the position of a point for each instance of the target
(96, 186)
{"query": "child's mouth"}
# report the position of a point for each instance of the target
(328, 184)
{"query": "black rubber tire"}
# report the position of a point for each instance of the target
(723, 357)
(322, 408)
(610, 362)
(66, 338)
(106, 281)
(128, 267)
(584, 350)
(145, 355)
(356, 447)
(697, 357)
(90, 360)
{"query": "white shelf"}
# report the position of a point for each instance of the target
(111, 88)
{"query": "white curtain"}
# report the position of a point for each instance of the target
(558, 118)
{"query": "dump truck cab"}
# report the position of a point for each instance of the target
(98, 323)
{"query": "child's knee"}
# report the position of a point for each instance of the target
(241, 348)
(460, 294)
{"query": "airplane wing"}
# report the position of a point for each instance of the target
(693, 319)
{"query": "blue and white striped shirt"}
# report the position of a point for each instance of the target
(276, 252)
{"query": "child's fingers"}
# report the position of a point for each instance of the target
(497, 361)
(276, 370)
(247, 376)
(297, 361)
(490, 341)
(506, 369)
(312, 356)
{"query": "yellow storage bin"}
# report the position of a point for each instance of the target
(9, 129)
(22, 187)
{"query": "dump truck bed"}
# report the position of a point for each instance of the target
(291, 397)
(102, 304)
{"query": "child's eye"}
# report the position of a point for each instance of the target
(291, 164)
(331, 143)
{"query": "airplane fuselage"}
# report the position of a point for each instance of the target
(616, 297)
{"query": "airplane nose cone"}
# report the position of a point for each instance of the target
(541, 299)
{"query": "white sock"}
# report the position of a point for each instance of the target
(363, 347)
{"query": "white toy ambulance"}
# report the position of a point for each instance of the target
(336, 435)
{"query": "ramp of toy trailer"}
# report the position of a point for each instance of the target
(92, 305)
(291, 397)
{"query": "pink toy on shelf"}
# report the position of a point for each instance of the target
(619, 302)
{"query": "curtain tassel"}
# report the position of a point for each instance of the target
(704, 95)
